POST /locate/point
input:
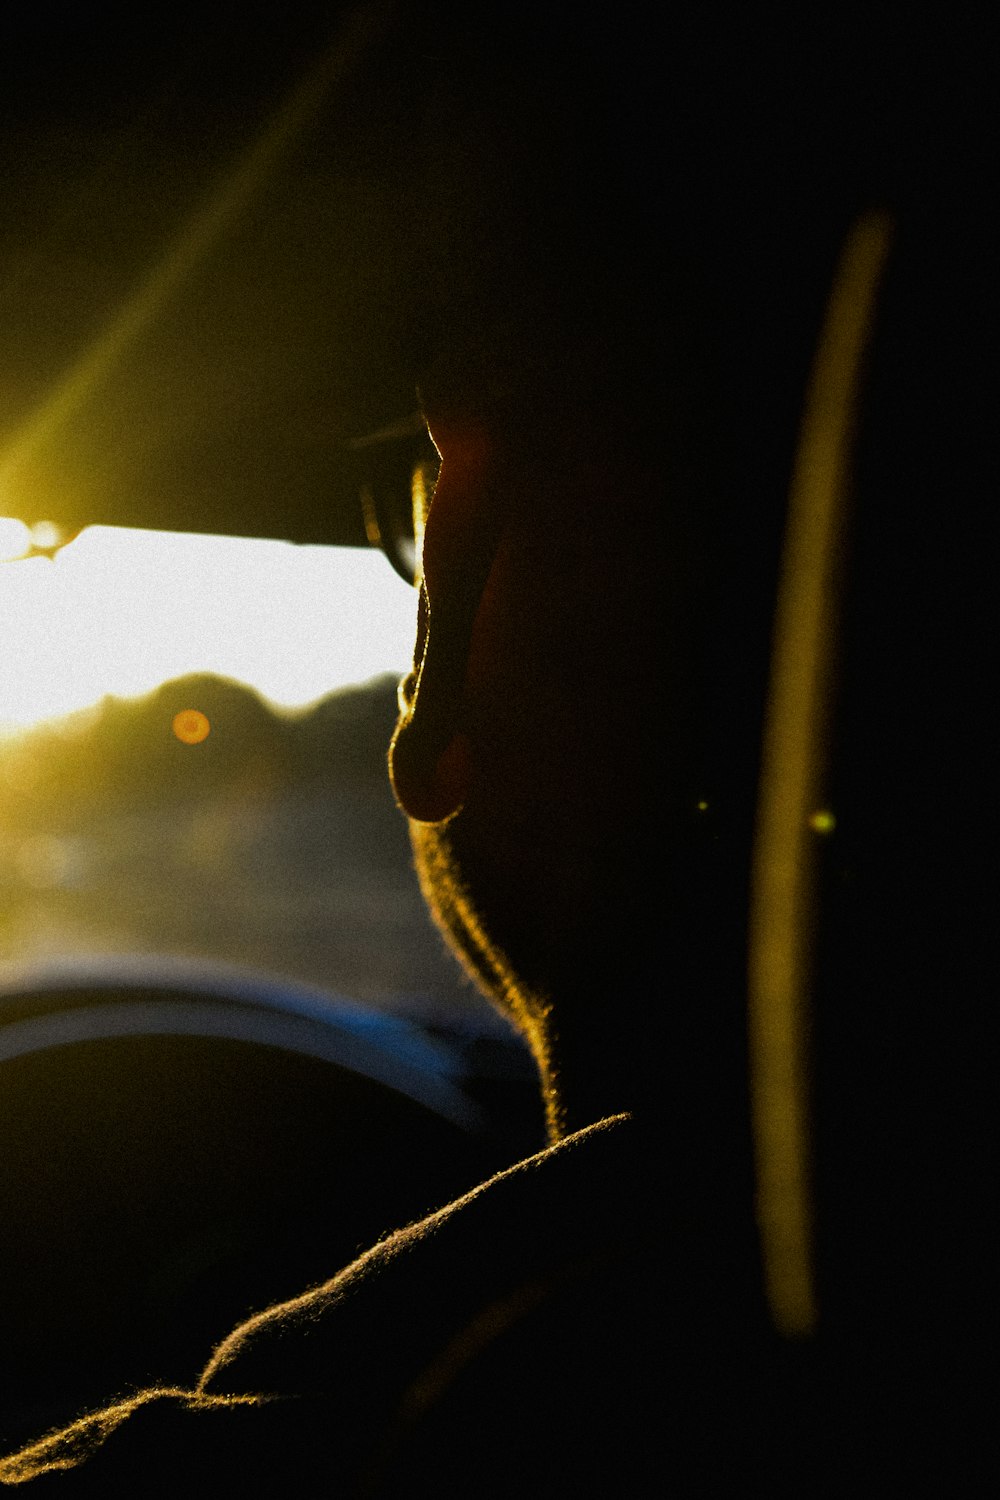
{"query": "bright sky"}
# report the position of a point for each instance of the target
(120, 611)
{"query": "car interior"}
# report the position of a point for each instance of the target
(190, 252)
(232, 1050)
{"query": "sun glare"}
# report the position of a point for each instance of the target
(15, 538)
(119, 612)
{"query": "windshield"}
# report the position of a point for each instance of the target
(192, 764)
(193, 728)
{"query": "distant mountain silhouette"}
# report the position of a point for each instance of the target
(274, 842)
(125, 751)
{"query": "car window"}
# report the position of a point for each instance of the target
(234, 1051)
(192, 755)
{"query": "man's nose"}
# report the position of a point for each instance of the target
(430, 783)
(430, 756)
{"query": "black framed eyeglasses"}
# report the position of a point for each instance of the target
(397, 470)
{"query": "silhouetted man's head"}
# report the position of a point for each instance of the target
(549, 750)
(626, 254)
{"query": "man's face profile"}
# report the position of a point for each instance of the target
(523, 744)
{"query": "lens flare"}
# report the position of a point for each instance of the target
(191, 726)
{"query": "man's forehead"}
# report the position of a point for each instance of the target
(471, 377)
(517, 383)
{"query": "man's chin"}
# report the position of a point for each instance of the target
(457, 897)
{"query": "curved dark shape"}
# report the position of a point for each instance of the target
(60, 1003)
(184, 1143)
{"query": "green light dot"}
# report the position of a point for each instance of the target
(822, 821)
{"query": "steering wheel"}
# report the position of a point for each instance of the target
(183, 1143)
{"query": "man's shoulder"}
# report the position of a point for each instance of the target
(393, 1302)
(309, 1386)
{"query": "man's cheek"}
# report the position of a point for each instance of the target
(525, 679)
(520, 660)
(495, 691)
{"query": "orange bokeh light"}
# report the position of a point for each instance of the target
(191, 726)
